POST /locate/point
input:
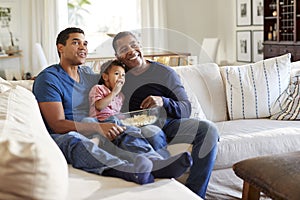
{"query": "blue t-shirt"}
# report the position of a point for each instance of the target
(53, 84)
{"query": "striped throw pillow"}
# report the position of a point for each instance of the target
(252, 90)
(290, 101)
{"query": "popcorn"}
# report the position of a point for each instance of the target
(139, 120)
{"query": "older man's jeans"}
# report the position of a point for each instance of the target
(204, 137)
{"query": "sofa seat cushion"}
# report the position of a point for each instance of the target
(31, 164)
(242, 139)
(83, 185)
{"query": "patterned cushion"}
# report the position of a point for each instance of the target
(289, 102)
(252, 90)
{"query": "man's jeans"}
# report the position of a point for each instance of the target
(84, 154)
(204, 137)
(129, 140)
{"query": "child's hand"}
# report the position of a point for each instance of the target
(118, 87)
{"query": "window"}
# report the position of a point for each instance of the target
(98, 18)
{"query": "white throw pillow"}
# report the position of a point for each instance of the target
(295, 68)
(31, 165)
(251, 90)
(197, 111)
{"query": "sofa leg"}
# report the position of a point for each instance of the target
(250, 192)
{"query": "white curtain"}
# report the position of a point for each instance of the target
(48, 18)
(154, 34)
(153, 12)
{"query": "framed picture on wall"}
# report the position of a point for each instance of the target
(243, 9)
(257, 12)
(243, 41)
(257, 45)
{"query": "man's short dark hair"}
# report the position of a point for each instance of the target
(119, 36)
(63, 36)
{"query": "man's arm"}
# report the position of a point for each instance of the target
(175, 101)
(53, 113)
(177, 104)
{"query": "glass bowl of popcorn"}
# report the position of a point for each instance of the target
(140, 117)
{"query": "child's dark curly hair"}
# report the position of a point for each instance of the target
(105, 67)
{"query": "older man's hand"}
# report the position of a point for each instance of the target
(152, 101)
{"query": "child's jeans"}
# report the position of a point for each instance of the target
(149, 140)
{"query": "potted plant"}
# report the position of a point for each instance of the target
(76, 7)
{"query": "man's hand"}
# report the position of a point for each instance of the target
(111, 130)
(152, 101)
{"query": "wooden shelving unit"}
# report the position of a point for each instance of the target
(282, 28)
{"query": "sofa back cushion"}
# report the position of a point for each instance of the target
(252, 89)
(31, 165)
(204, 84)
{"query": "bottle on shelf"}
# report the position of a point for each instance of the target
(282, 28)
(270, 34)
(272, 5)
(274, 34)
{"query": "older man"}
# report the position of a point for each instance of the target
(151, 84)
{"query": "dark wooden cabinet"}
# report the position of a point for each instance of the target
(282, 28)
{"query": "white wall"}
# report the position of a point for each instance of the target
(189, 18)
(226, 13)
(207, 18)
(195, 18)
(26, 41)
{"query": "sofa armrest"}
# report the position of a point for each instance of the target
(23, 83)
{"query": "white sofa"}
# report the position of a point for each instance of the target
(33, 167)
(215, 89)
(46, 175)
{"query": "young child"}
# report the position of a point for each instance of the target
(106, 100)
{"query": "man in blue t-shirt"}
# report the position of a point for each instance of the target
(62, 94)
(151, 84)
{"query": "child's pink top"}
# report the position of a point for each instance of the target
(99, 92)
